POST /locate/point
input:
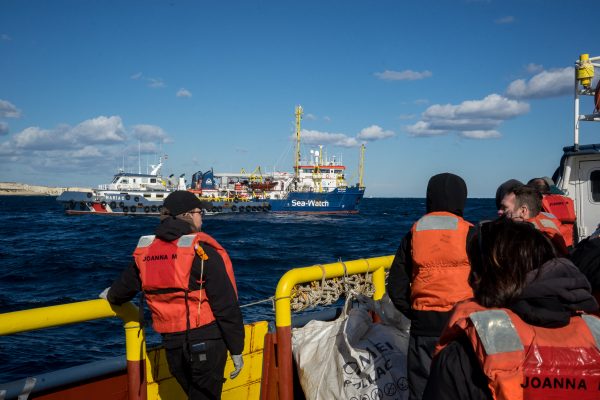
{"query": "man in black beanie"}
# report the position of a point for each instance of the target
(188, 282)
(430, 272)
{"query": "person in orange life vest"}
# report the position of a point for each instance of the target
(188, 283)
(429, 272)
(559, 205)
(525, 204)
(524, 335)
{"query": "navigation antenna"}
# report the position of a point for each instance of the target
(361, 166)
(299, 112)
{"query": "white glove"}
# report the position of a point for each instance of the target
(238, 364)
(104, 294)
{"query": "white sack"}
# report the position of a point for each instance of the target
(352, 357)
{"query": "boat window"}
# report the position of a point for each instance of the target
(152, 180)
(124, 181)
(133, 180)
(147, 195)
(595, 179)
(159, 196)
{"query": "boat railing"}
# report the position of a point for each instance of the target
(71, 313)
(358, 275)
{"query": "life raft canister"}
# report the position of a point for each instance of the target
(522, 361)
(165, 269)
(440, 263)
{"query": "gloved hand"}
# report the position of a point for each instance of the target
(238, 363)
(104, 294)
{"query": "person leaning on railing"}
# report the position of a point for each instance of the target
(188, 282)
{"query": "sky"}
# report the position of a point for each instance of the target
(479, 88)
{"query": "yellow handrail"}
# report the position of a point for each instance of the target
(71, 313)
(376, 266)
(283, 313)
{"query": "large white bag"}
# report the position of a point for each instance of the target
(352, 357)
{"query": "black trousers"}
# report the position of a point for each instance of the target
(202, 378)
(420, 350)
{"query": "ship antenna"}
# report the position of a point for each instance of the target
(361, 166)
(298, 119)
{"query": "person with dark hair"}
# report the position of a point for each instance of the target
(559, 205)
(187, 279)
(430, 272)
(502, 190)
(526, 332)
(524, 203)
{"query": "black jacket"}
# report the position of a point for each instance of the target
(555, 291)
(223, 301)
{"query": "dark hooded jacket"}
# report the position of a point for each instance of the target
(555, 292)
(445, 192)
(223, 301)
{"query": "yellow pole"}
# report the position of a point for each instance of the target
(299, 113)
(361, 166)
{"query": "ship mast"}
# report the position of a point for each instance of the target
(361, 166)
(298, 119)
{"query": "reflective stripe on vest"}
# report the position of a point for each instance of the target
(146, 241)
(548, 223)
(433, 222)
(496, 331)
(593, 324)
(186, 240)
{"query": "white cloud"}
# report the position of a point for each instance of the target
(481, 134)
(335, 139)
(150, 133)
(374, 132)
(155, 83)
(5, 38)
(136, 76)
(553, 83)
(309, 116)
(3, 128)
(96, 141)
(474, 119)
(509, 19)
(99, 130)
(183, 93)
(8, 110)
(406, 75)
(534, 68)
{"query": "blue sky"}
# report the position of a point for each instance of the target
(482, 89)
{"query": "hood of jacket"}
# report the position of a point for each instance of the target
(172, 228)
(446, 192)
(555, 292)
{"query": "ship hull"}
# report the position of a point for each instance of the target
(142, 204)
(337, 201)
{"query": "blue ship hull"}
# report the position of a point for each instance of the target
(338, 201)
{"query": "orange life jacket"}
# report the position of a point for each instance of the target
(165, 269)
(522, 361)
(440, 263)
(563, 209)
(550, 226)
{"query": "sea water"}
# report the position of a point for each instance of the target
(49, 258)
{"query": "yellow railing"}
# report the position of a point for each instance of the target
(283, 295)
(72, 313)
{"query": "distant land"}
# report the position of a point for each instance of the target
(22, 189)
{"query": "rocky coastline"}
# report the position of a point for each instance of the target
(22, 189)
